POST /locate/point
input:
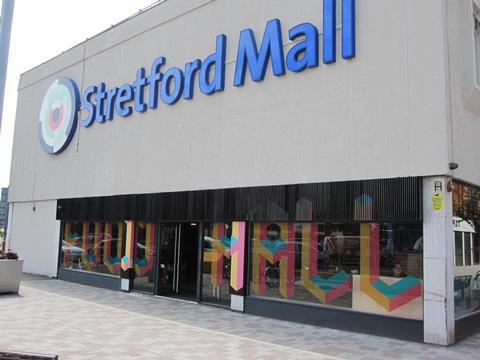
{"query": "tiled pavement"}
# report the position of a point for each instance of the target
(80, 322)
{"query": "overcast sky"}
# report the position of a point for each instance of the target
(42, 30)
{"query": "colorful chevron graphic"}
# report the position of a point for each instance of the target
(220, 249)
(112, 261)
(237, 251)
(91, 252)
(69, 239)
(390, 297)
(127, 259)
(323, 289)
(224, 247)
(280, 251)
(145, 264)
(363, 208)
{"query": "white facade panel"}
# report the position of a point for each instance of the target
(34, 235)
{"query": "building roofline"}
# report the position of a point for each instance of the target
(141, 11)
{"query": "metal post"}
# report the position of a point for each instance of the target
(198, 296)
(5, 28)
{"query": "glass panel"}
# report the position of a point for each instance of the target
(178, 260)
(95, 247)
(144, 257)
(468, 249)
(72, 245)
(111, 248)
(216, 263)
(167, 259)
(466, 221)
(476, 250)
(458, 249)
(374, 268)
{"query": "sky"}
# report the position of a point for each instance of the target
(40, 31)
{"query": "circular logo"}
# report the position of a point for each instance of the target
(58, 115)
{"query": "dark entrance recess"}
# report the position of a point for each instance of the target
(177, 260)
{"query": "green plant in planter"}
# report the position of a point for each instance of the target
(8, 255)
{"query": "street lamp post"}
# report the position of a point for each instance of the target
(5, 27)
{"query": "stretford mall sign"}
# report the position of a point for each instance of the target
(61, 104)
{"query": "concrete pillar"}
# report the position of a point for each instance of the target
(438, 252)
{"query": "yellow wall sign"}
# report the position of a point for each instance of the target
(437, 201)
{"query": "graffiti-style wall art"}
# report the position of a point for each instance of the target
(324, 289)
(367, 267)
(127, 259)
(145, 248)
(112, 248)
(274, 258)
(95, 247)
(224, 252)
(392, 296)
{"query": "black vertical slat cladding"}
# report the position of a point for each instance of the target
(397, 199)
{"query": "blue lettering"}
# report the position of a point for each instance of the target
(101, 103)
(88, 106)
(190, 69)
(348, 29)
(99, 98)
(257, 61)
(110, 103)
(153, 79)
(138, 85)
(216, 61)
(329, 31)
(304, 54)
(125, 94)
(171, 97)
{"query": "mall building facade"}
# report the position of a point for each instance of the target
(311, 161)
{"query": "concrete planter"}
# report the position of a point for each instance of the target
(10, 275)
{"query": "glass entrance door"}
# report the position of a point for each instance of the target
(177, 260)
(217, 238)
(167, 259)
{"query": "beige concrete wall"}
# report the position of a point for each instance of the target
(34, 234)
(464, 91)
(380, 115)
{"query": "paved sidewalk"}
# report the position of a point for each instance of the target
(81, 322)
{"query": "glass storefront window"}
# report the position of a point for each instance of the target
(217, 239)
(144, 258)
(476, 250)
(466, 221)
(366, 267)
(92, 246)
(467, 245)
(458, 248)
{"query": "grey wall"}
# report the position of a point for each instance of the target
(381, 115)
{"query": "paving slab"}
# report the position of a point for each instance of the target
(83, 322)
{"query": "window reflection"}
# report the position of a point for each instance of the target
(92, 246)
(466, 221)
(144, 259)
(367, 267)
(217, 244)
